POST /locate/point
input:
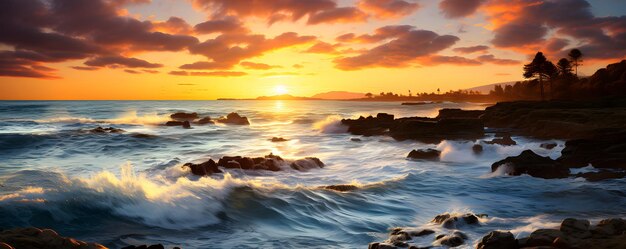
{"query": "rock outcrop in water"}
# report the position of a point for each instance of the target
(532, 164)
(406, 237)
(342, 187)
(270, 162)
(184, 124)
(182, 116)
(278, 139)
(450, 124)
(424, 154)
(602, 151)
(106, 130)
(35, 238)
(234, 118)
(504, 140)
(573, 233)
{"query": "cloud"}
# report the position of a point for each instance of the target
(488, 58)
(39, 32)
(130, 71)
(227, 24)
(231, 49)
(206, 65)
(388, 9)
(472, 49)
(257, 66)
(214, 73)
(174, 25)
(402, 51)
(287, 9)
(459, 8)
(380, 34)
(338, 15)
(82, 68)
(120, 61)
(453, 60)
(322, 48)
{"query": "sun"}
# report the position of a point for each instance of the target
(280, 90)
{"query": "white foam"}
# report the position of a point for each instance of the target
(331, 125)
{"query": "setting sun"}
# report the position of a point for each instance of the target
(280, 90)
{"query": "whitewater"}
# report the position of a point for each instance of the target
(120, 189)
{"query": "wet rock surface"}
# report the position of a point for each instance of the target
(532, 164)
(278, 139)
(35, 238)
(234, 119)
(269, 162)
(182, 116)
(424, 154)
(342, 187)
(106, 130)
(504, 140)
(573, 233)
(184, 124)
(451, 124)
(602, 151)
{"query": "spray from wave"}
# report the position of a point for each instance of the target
(331, 125)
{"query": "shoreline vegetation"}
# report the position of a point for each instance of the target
(589, 114)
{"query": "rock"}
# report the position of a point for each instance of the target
(422, 232)
(548, 146)
(452, 240)
(602, 151)
(377, 245)
(27, 238)
(181, 116)
(477, 149)
(205, 120)
(452, 221)
(342, 187)
(504, 141)
(370, 126)
(498, 240)
(106, 130)
(425, 154)
(184, 124)
(458, 113)
(543, 237)
(434, 131)
(601, 175)
(142, 135)
(307, 163)
(278, 139)
(206, 168)
(532, 164)
(400, 236)
(235, 119)
(610, 227)
(157, 246)
(354, 139)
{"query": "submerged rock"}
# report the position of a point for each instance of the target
(548, 146)
(205, 120)
(342, 187)
(278, 139)
(31, 238)
(532, 164)
(106, 130)
(234, 118)
(505, 140)
(426, 154)
(184, 124)
(182, 116)
(477, 149)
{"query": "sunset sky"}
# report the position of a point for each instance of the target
(207, 49)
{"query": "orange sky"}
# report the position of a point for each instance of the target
(127, 49)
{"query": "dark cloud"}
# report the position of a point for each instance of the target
(120, 61)
(82, 68)
(452, 60)
(459, 8)
(231, 49)
(488, 58)
(399, 52)
(338, 15)
(174, 25)
(286, 9)
(380, 34)
(130, 71)
(225, 25)
(472, 49)
(388, 9)
(206, 65)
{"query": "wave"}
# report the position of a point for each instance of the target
(129, 118)
(331, 125)
(170, 200)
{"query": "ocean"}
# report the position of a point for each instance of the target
(120, 189)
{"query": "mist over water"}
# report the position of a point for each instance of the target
(117, 189)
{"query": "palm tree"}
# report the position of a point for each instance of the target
(540, 68)
(369, 95)
(576, 57)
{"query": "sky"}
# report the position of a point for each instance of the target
(209, 49)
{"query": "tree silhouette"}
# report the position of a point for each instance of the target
(369, 95)
(540, 68)
(576, 56)
(564, 66)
